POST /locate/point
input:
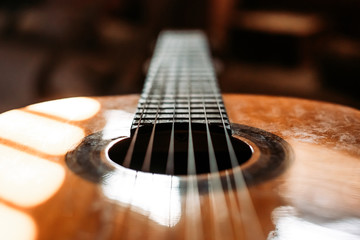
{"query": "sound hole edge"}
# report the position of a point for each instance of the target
(159, 156)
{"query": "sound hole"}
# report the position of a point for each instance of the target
(160, 151)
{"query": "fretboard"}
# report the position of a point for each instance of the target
(181, 83)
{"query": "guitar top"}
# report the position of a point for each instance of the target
(180, 161)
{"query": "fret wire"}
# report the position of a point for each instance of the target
(180, 111)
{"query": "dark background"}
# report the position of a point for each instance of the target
(52, 49)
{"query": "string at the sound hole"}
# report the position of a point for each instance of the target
(154, 67)
(170, 160)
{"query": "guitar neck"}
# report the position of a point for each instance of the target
(181, 84)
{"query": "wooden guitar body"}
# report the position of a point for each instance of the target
(313, 193)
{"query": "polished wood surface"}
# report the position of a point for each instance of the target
(316, 197)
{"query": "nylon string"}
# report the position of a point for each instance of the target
(222, 225)
(171, 151)
(252, 228)
(193, 208)
(149, 80)
(147, 159)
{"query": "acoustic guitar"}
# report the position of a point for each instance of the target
(180, 161)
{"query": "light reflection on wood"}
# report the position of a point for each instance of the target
(74, 109)
(323, 181)
(15, 225)
(291, 226)
(42, 134)
(27, 180)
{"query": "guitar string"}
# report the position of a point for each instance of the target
(239, 229)
(193, 210)
(218, 202)
(227, 225)
(148, 81)
(128, 157)
(170, 160)
(130, 151)
(161, 81)
(253, 230)
(149, 94)
(147, 158)
(191, 170)
(231, 221)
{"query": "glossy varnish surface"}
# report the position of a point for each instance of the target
(317, 196)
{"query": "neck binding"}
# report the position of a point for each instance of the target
(181, 84)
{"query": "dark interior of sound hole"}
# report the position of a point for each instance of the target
(160, 150)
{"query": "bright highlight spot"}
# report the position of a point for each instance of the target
(291, 227)
(323, 181)
(15, 225)
(151, 195)
(118, 123)
(75, 109)
(40, 133)
(26, 180)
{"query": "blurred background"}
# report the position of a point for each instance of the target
(52, 49)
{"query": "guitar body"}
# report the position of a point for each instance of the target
(313, 194)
